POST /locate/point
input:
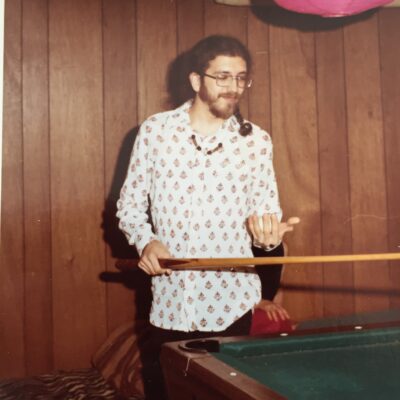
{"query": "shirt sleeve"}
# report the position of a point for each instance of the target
(133, 204)
(265, 190)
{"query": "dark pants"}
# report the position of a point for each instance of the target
(152, 373)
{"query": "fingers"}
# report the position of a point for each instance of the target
(254, 226)
(293, 220)
(288, 226)
(272, 220)
(151, 266)
(265, 230)
(149, 262)
(276, 313)
(282, 312)
(273, 315)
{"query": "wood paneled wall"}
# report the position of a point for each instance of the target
(79, 78)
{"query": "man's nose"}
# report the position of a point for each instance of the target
(234, 85)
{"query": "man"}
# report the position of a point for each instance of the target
(206, 177)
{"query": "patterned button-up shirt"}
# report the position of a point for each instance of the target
(198, 204)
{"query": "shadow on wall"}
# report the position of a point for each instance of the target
(113, 236)
(280, 17)
(177, 81)
(116, 240)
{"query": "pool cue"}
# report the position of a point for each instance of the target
(232, 263)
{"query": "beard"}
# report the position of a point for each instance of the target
(222, 105)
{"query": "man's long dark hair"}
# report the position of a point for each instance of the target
(213, 46)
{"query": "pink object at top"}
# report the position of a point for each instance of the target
(331, 8)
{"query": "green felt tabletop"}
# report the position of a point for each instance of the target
(347, 365)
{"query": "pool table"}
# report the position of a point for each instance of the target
(350, 362)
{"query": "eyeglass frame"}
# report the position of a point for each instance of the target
(247, 81)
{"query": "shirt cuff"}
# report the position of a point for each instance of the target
(266, 248)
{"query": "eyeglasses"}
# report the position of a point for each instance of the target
(225, 80)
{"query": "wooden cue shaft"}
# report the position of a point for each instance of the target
(192, 263)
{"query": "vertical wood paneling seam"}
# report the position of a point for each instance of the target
(104, 158)
(385, 166)
(136, 77)
(177, 50)
(347, 145)
(22, 180)
(270, 84)
(49, 179)
(248, 9)
(318, 140)
(203, 16)
(321, 222)
(348, 166)
(177, 28)
(383, 132)
(51, 215)
(50, 183)
(247, 92)
(347, 135)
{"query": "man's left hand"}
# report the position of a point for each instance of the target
(274, 311)
(267, 231)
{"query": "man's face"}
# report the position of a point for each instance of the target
(223, 101)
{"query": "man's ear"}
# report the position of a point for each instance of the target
(195, 81)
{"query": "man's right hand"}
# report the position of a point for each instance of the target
(149, 259)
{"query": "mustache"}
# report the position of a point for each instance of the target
(229, 96)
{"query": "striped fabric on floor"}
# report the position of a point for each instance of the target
(82, 384)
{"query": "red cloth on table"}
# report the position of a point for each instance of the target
(262, 324)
